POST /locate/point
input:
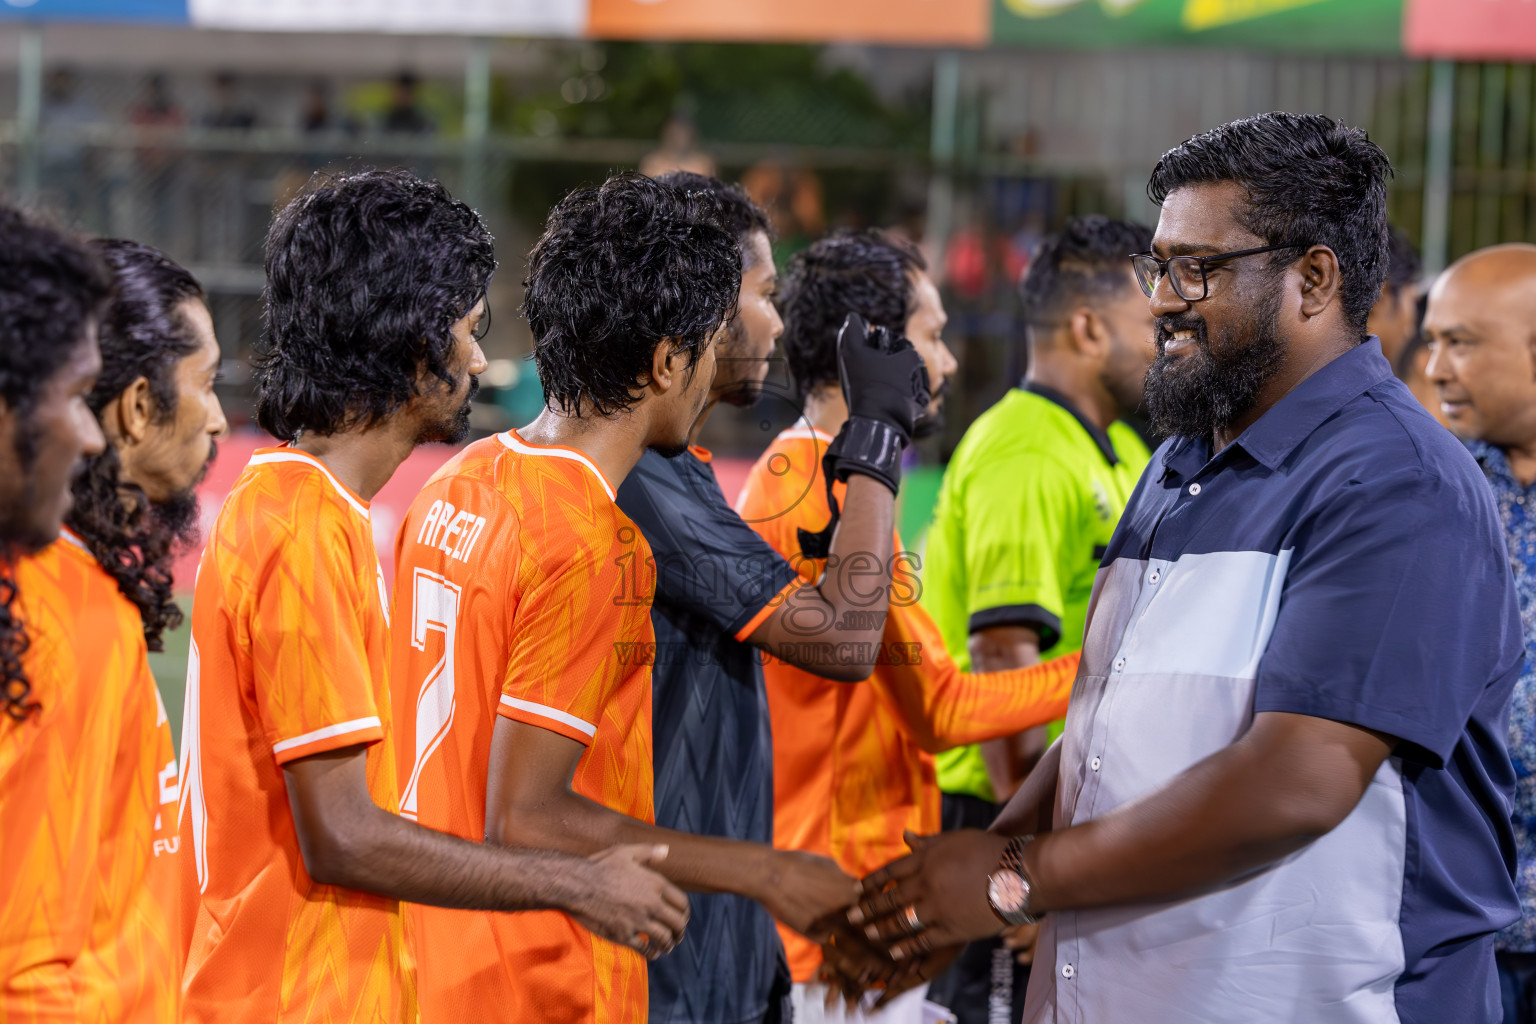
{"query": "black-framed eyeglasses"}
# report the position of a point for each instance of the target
(1187, 273)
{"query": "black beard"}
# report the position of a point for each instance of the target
(18, 534)
(747, 393)
(456, 430)
(744, 395)
(178, 517)
(1197, 394)
(669, 451)
(931, 424)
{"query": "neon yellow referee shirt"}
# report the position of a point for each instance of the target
(1027, 507)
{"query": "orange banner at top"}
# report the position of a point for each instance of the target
(909, 22)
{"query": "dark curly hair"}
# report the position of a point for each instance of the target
(366, 275)
(867, 272)
(142, 334)
(1085, 261)
(51, 289)
(1310, 180)
(730, 207)
(619, 268)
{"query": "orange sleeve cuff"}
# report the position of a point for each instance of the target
(545, 717)
(330, 737)
(768, 609)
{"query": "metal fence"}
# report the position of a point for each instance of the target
(1020, 141)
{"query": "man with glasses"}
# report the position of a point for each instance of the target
(1283, 792)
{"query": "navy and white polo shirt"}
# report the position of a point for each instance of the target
(1342, 559)
(713, 749)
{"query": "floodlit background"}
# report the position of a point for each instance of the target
(975, 126)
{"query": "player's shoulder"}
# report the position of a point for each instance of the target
(292, 490)
(557, 485)
(475, 478)
(65, 575)
(75, 616)
(287, 504)
(1023, 440)
(1021, 424)
(789, 464)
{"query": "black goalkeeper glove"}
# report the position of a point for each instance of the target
(885, 385)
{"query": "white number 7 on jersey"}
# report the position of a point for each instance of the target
(434, 608)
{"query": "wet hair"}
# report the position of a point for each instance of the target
(1310, 180)
(730, 206)
(868, 272)
(618, 269)
(1085, 262)
(1403, 263)
(143, 333)
(51, 289)
(366, 275)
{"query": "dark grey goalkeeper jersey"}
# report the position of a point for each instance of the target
(715, 580)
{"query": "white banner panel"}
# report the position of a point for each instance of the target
(424, 17)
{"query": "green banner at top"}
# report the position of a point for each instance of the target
(1323, 26)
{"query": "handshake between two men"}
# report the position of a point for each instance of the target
(917, 913)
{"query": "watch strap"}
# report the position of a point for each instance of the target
(1013, 860)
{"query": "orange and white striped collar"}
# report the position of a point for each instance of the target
(288, 453)
(804, 430)
(515, 442)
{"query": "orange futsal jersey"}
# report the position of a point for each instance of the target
(88, 922)
(288, 659)
(520, 590)
(852, 764)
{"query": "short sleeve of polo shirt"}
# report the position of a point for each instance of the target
(578, 601)
(1022, 530)
(708, 561)
(1396, 614)
(310, 667)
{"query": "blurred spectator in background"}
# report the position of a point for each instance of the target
(226, 110)
(795, 203)
(65, 157)
(156, 109)
(405, 116)
(1481, 326)
(156, 115)
(966, 271)
(1027, 506)
(679, 150)
(218, 178)
(318, 115)
(1395, 316)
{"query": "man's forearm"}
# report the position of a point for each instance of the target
(574, 824)
(1239, 810)
(942, 707)
(394, 857)
(1008, 759)
(858, 575)
(846, 611)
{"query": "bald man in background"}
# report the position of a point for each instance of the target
(1481, 326)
